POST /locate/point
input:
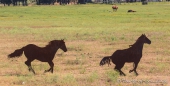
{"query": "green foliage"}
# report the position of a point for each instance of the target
(93, 76)
(83, 70)
(112, 75)
(68, 80)
(73, 62)
(84, 20)
(52, 79)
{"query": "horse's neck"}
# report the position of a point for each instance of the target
(52, 49)
(138, 47)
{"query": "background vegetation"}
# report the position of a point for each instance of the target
(91, 32)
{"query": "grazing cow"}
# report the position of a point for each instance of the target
(114, 7)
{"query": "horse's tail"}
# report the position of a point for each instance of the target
(16, 53)
(105, 60)
(102, 62)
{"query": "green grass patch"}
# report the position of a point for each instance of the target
(112, 76)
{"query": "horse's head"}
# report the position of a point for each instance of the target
(62, 45)
(144, 39)
(58, 43)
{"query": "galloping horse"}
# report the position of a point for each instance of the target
(131, 54)
(44, 54)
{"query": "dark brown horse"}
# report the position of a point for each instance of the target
(44, 54)
(131, 54)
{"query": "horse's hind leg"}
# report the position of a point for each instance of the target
(51, 67)
(118, 67)
(121, 73)
(28, 63)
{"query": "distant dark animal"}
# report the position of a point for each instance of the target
(14, 2)
(131, 54)
(8, 2)
(44, 54)
(131, 11)
(105, 60)
(144, 2)
(45, 2)
(114, 7)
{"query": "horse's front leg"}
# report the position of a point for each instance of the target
(47, 70)
(51, 67)
(135, 67)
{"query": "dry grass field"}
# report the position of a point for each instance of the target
(90, 32)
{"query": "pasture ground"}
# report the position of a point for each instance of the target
(91, 32)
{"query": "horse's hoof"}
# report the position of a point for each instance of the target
(122, 74)
(130, 71)
(45, 71)
(137, 74)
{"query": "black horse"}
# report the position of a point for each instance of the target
(44, 54)
(132, 54)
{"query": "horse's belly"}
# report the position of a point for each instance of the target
(42, 60)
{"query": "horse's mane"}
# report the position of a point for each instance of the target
(51, 43)
(137, 41)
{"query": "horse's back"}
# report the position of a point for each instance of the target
(126, 55)
(119, 53)
(120, 56)
(31, 50)
(32, 47)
